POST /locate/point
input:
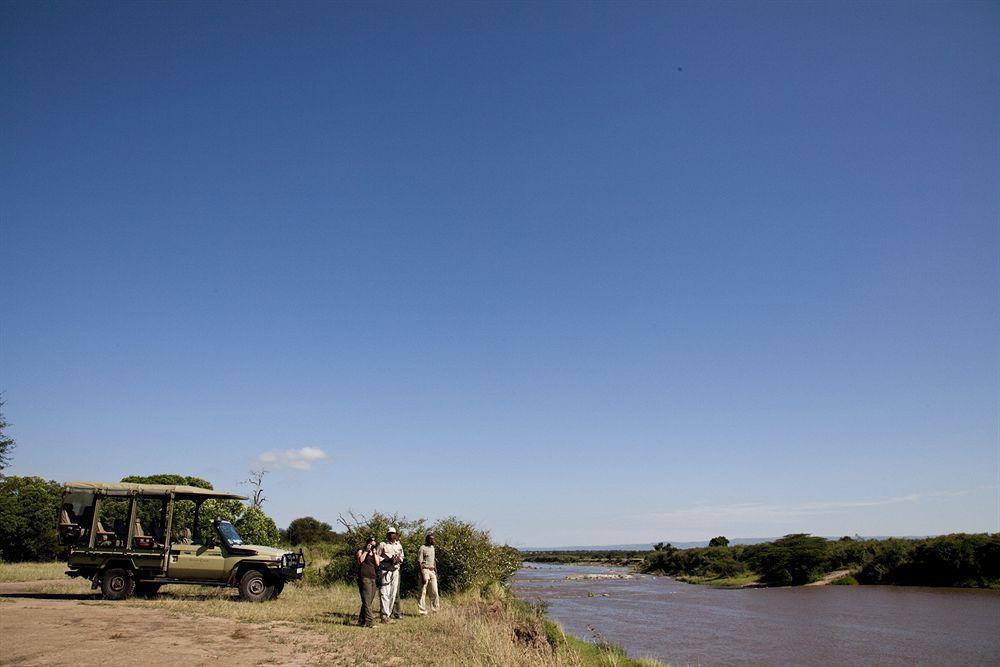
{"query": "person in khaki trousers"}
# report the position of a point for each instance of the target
(428, 576)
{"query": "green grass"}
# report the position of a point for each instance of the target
(605, 655)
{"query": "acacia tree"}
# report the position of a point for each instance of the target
(6, 442)
(309, 530)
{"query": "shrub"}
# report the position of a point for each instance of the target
(466, 556)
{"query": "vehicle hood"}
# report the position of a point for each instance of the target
(264, 551)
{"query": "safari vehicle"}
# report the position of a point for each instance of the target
(129, 539)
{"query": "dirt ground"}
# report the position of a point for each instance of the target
(77, 629)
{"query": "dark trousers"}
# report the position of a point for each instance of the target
(367, 589)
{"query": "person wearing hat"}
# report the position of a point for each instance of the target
(428, 575)
(391, 554)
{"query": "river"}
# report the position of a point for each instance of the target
(684, 624)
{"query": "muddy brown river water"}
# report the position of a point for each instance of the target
(683, 624)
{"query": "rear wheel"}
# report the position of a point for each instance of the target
(145, 589)
(117, 584)
(254, 586)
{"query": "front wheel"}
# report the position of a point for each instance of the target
(117, 584)
(254, 587)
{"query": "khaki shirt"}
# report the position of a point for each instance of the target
(387, 550)
(426, 557)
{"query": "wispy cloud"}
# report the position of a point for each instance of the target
(741, 512)
(297, 459)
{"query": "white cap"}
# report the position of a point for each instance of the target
(392, 529)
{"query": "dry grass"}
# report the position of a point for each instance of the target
(483, 630)
(32, 571)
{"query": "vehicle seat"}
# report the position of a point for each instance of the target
(68, 529)
(142, 540)
(104, 536)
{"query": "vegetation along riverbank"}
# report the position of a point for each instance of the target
(959, 560)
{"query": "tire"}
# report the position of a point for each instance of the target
(255, 587)
(117, 583)
(147, 590)
(278, 587)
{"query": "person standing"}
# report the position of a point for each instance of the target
(368, 560)
(391, 554)
(428, 575)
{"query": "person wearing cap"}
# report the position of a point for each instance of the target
(391, 554)
(428, 575)
(368, 560)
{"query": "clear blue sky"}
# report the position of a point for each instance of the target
(582, 273)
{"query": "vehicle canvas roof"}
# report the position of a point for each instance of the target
(127, 488)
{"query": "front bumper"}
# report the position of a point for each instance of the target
(292, 567)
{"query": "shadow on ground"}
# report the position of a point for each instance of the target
(27, 595)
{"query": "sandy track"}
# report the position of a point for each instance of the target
(828, 579)
(63, 629)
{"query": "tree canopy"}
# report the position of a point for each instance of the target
(309, 530)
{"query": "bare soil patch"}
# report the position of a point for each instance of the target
(41, 628)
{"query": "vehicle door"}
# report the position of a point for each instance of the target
(196, 561)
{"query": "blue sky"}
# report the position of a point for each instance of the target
(581, 273)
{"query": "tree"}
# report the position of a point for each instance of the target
(308, 530)
(28, 508)
(255, 527)
(183, 480)
(720, 541)
(6, 442)
(256, 480)
(793, 560)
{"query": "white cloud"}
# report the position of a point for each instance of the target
(297, 459)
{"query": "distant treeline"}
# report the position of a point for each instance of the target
(610, 556)
(950, 560)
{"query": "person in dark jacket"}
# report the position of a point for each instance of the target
(369, 561)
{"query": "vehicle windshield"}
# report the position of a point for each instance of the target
(229, 534)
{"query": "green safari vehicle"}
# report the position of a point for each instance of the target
(133, 538)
